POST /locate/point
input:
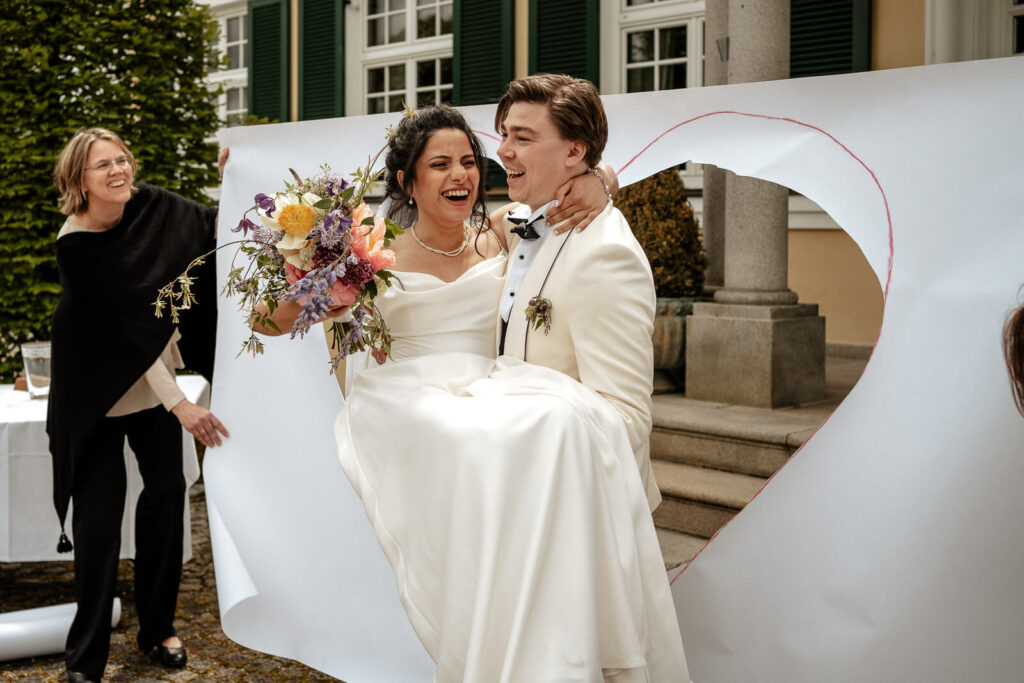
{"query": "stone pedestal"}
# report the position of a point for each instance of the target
(766, 356)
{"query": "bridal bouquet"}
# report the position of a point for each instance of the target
(317, 244)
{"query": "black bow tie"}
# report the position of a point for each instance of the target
(527, 231)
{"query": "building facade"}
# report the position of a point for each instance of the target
(292, 60)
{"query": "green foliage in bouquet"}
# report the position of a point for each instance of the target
(663, 222)
(138, 68)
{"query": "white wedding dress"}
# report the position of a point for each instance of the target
(507, 500)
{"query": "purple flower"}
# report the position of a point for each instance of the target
(335, 185)
(266, 203)
(244, 226)
(262, 233)
(335, 232)
(312, 292)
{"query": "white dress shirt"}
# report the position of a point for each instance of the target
(522, 256)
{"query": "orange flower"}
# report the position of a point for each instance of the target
(296, 219)
(368, 244)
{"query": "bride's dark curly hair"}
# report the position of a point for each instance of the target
(407, 145)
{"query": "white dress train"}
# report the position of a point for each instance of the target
(507, 500)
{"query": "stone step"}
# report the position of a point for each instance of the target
(698, 500)
(678, 548)
(752, 441)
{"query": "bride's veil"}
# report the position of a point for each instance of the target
(401, 213)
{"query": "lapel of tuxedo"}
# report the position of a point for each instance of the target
(533, 285)
(511, 239)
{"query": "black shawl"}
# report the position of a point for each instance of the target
(105, 335)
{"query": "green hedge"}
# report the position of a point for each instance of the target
(663, 222)
(135, 67)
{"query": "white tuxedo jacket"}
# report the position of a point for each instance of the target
(602, 317)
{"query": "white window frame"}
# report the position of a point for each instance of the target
(1010, 13)
(618, 19)
(230, 78)
(966, 30)
(408, 52)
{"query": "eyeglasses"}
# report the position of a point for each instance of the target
(123, 161)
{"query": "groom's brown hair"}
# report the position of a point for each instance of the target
(574, 104)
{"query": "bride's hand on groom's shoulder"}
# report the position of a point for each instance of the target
(582, 198)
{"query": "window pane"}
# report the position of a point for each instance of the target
(640, 47)
(446, 19)
(446, 70)
(396, 28)
(673, 43)
(426, 74)
(426, 23)
(633, 3)
(376, 6)
(640, 80)
(375, 80)
(375, 32)
(234, 97)
(396, 103)
(396, 77)
(424, 98)
(234, 57)
(1018, 34)
(421, 3)
(396, 5)
(672, 76)
(375, 105)
(446, 95)
(233, 32)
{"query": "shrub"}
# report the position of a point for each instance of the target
(663, 222)
(138, 68)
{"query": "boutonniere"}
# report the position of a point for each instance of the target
(539, 313)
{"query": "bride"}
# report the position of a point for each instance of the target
(505, 495)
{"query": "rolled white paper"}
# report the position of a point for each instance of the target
(40, 631)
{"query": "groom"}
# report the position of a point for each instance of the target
(595, 285)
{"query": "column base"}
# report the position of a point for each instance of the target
(767, 356)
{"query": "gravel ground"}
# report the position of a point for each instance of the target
(212, 656)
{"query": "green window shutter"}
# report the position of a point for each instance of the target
(321, 59)
(482, 50)
(829, 37)
(482, 53)
(564, 38)
(268, 73)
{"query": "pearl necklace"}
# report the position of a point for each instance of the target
(454, 252)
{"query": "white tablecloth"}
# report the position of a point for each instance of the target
(28, 522)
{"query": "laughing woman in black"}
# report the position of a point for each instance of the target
(113, 378)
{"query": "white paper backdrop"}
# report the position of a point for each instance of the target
(883, 551)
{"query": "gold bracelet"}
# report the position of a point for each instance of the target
(598, 175)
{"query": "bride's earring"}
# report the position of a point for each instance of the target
(412, 202)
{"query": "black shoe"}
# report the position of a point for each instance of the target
(75, 677)
(169, 657)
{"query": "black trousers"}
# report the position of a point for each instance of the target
(98, 496)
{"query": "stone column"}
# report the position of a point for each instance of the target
(716, 62)
(755, 345)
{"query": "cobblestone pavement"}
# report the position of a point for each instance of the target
(212, 656)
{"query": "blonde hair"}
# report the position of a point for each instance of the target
(70, 167)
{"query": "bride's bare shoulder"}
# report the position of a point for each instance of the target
(488, 244)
